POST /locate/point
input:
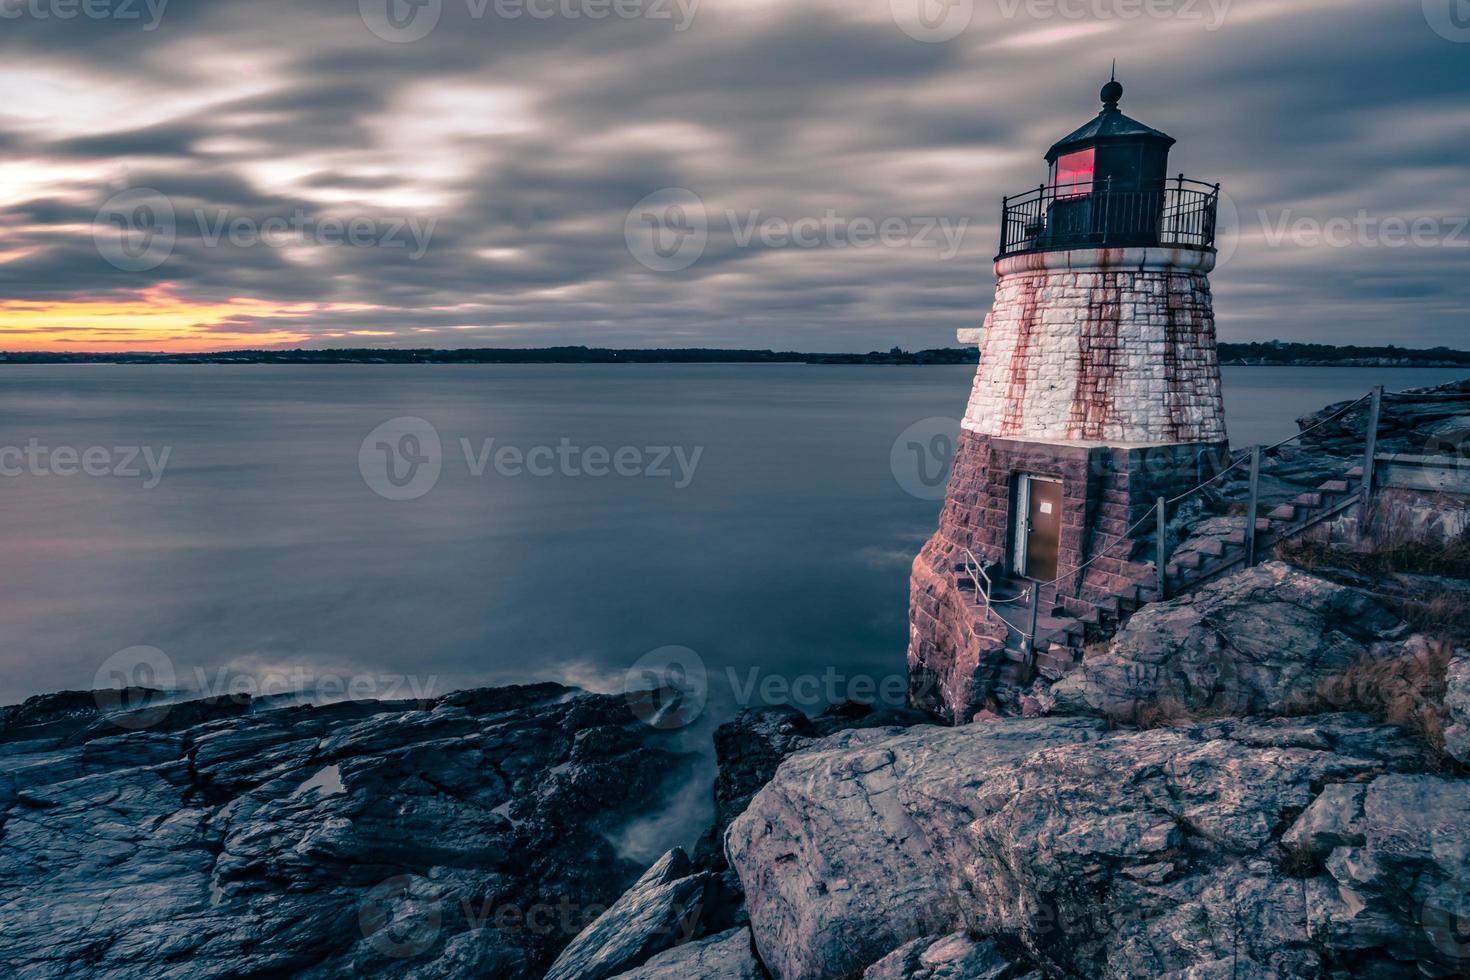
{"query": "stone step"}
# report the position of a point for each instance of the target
(1337, 487)
(1286, 512)
(1214, 547)
(1309, 500)
(1356, 473)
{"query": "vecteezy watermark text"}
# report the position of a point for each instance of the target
(938, 21)
(832, 230)
(1365, 230)
(405, 21)
(1210, 14)
(148, 12)
(119, 462)
(669, 230)
(137, 230)
(403, 458)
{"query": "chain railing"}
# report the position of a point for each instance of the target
(1237, 461)
(1160, 510)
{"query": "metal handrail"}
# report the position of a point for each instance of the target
(975, 568)
(1178, 211)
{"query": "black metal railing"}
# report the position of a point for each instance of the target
(1178, 212)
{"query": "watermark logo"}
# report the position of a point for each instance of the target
(405, 21)
(1210, 13)
(135, 230)
(148, 12)
(129, 685)
(1450, 19)
(833, 230)
(1453, 443)
(1445, 919)
(813, 692)
(568, 459)
(116, 462)
(667, 688)
(668, 230)
(401, 459)
(922, 456)
(400, 21)
(1227, 229)
(1364, 229)
(401, 917)
(138, 230)
(933, 21)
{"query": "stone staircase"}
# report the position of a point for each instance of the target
(1066, 625)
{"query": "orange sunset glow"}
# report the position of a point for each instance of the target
(155, 319)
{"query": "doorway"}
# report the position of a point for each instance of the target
(1039, 526)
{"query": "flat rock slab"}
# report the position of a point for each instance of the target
(1163, 854)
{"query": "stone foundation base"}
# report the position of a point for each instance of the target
(955, 647)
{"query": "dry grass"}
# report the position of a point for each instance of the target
(1443, 613)
(1299, 861)
(1439, 611)
(1394, 555)
(1405, 690)
(1147, 714)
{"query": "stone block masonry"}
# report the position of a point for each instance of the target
(1118, 354)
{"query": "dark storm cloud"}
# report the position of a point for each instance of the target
(524, 144)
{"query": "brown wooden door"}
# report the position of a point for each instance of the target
(1043, 530)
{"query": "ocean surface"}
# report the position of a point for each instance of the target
(295, 529)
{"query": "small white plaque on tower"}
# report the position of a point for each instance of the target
(971, 337)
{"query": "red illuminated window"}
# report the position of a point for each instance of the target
(1074, 174)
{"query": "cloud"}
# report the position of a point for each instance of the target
(524, 142)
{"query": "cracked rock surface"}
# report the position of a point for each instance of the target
(1302, 847)
(1260, 639)
(467, 835)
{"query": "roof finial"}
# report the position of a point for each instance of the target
(1113, 91)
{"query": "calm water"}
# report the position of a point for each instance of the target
(263, 552)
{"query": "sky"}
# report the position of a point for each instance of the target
(820, 175)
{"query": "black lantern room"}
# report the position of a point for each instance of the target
(1109, 187)
(1119, 152)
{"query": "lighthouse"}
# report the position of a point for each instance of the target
(1097, 393)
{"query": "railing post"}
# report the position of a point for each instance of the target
(1161, 553)
(1252, 507)
(1370, 461)
(1035, 617)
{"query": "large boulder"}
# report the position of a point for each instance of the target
(836, 870)
(1457, 701)
(665, 908)
(727, 956)
(1260, 641)
(750, 747)
(1162, 853)
(463, 835)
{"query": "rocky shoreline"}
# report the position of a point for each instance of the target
(1250, 831)
(1268, 777)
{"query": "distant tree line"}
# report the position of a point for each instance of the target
(1268, 353)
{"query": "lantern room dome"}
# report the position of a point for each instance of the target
(1108, 126)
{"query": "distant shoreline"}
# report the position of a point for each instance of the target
(1273, 354)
